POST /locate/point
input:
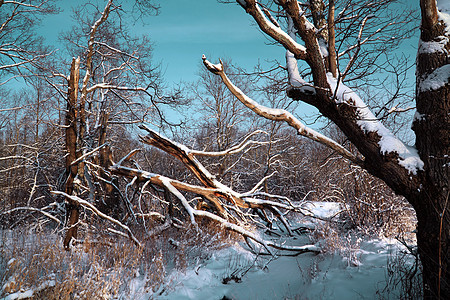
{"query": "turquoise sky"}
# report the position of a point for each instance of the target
(186, 29)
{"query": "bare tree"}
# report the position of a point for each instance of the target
(420, 174)
(21, 50)
(112, 84)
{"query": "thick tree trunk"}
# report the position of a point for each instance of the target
(432, 127)
(433, 245)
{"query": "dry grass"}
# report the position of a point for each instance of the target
(102, 266)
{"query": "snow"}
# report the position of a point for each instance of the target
(11, 261)
(444, 12)
(329, 276)
(279, 32)
(29, 293)
(167, 183)
(20, 295)
(295, 79)
(440, 76)
(418, 117)
(437, 79)
(360, 270)
(323, 47)
(433, 46)
(323, 210)
(408, 156)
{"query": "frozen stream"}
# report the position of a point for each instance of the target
(359, 272)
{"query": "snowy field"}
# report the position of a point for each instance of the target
(356, 268)
(306, 276)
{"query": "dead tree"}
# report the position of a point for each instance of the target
(218, 202)
(71, 148)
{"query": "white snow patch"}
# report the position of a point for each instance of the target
(434, 46)
(295, 79)
(408, 156)
(437, 79)
(418, 117)
(20, 295)
(323, 210)
(11, 261)
(29, 293)
(323, 48)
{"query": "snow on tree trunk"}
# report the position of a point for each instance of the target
(432, 127)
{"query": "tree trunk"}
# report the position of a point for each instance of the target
(433, 246)
(72, 209)
(109, 198)
(432, 127)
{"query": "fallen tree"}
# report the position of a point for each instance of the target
(213, 200)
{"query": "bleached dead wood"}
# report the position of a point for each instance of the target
(278, 114)
(229, 208)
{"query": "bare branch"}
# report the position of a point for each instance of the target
(32, 209)
(95, 210)
(233, 150)
(88, 154)
(279, 115)
(332, 39)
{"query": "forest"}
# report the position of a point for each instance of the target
(274, 182)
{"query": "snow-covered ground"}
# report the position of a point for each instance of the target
(359, 271)
(304, 277)
(350, 267)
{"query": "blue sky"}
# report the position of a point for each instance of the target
(186, 29)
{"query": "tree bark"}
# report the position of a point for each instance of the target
(432, 127)
(72, 209)
(109, 198)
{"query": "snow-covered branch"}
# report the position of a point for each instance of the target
(232, 150)
(252, 8)
(90, 51)
(277, 114)
(388, 142)
(295, 80)
(174, 186)
(95, 210)
(215, 192)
